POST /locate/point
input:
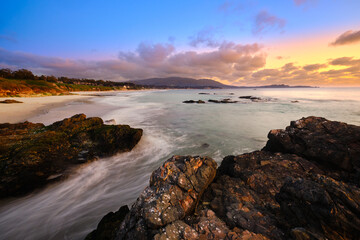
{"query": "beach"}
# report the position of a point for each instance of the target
(34, 106)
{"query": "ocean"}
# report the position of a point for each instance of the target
(72, 208)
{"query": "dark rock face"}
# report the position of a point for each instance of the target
(31, 154)
(108, 225)
(322, 206)
(174, 191)
(286, 191)
(332, 144)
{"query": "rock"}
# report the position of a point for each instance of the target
(296, 101)
(8, 101)
(31, 154)
(333, 144)
(174, 191)
(226, 100)
(110, 122)
(322, 206)
(288, 190)
(192, 101)
(205, 145)
(108, 226)
(204, 93)
(243, 194)
(245, 97)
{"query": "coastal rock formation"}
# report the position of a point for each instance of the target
(334, 145)
(174, 191)
(297, 187)
(32, 154)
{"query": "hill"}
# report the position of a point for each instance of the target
(178, 82)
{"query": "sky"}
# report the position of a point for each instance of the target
(242, 43)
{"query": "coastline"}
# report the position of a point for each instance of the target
(33, 106)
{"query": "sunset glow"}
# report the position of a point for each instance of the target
(310, 42)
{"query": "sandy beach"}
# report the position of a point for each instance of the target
(33, 106)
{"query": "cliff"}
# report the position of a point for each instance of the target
(304, 184)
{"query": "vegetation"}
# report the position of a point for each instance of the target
(23, 82)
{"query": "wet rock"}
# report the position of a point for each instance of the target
(245, 97)
(205, 145)
(243, 195)
(270, 194)
(331, 143)
(31, 153)
(226, 100)
(9, 101)
(322, 206)
(109, 225)
(110, 121)
(174, 191)
(192, 101)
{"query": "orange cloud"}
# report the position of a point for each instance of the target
(348, 37)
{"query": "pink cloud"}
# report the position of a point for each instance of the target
(265, 21)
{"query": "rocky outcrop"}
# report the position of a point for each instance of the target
(32, 154)
(174, 191)
(289, 190)
(334, 145)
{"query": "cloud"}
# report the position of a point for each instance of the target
(348, 37)
(8, 38)
(314, 67)
(311, 74)
(228, 61)
(204, 37)
(345, 61)
(265, 21)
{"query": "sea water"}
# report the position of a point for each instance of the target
(72, 208)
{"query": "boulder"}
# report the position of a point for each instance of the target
(192, 101)
(332, 144)
(32, 154)
(173, 193)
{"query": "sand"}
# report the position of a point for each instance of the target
(33, 106)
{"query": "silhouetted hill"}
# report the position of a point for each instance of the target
(178, 82)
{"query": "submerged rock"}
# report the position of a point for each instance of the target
(226, 100)
(33, 154)
(192, 101)
(8, 101)
(288, 190)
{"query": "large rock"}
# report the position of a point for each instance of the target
(302, 185)
(33, 154)
(243, 194)
(322, 207)
(331, 143)
(174, 191)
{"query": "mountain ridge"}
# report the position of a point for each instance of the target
(180, 82)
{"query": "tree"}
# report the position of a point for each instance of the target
(23, 74)
(6, 73)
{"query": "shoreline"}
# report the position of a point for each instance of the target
(33, 106)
